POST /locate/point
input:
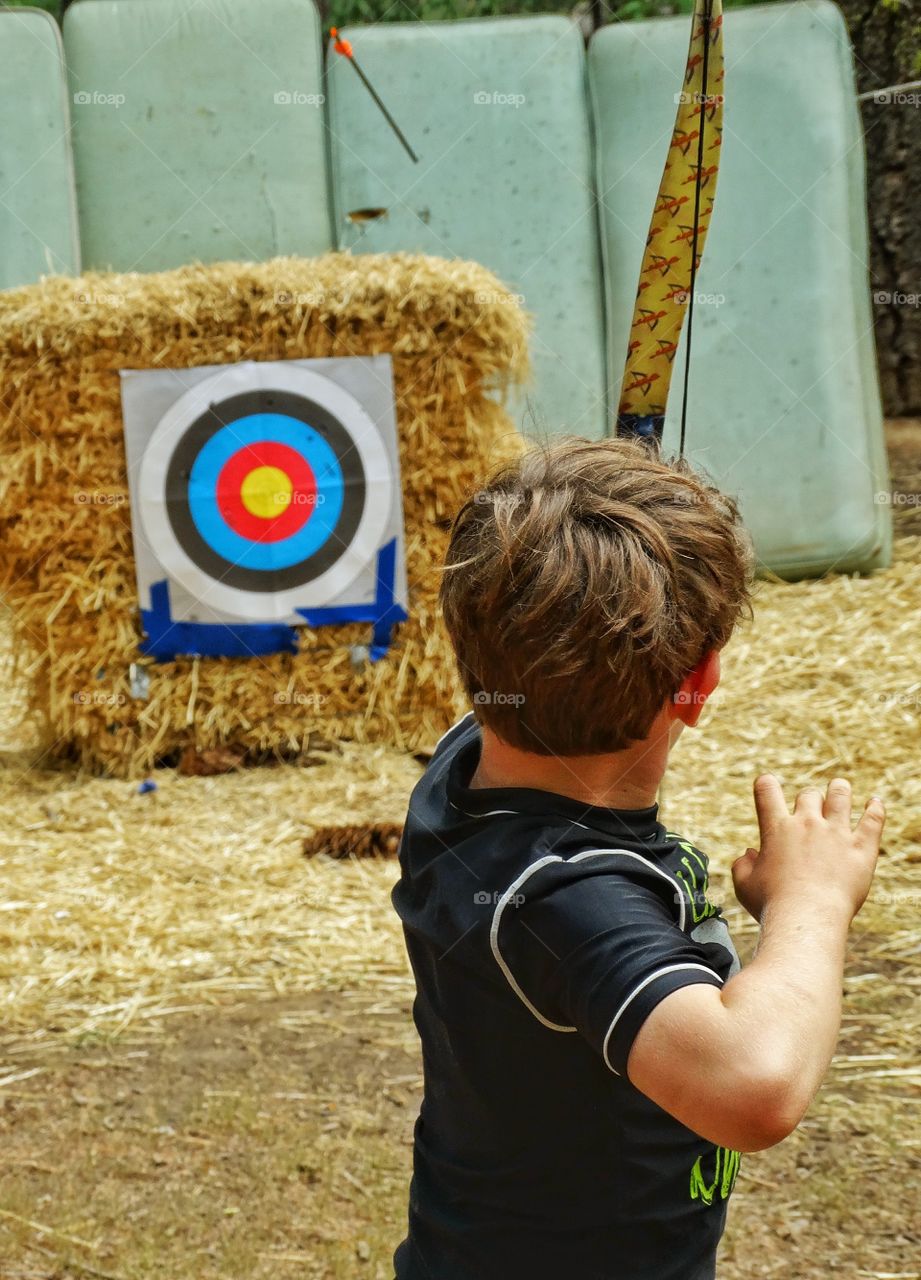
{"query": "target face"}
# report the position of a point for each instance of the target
(265, 489)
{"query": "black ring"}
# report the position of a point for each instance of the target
(223, 414)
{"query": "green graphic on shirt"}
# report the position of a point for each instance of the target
(724, 1176)
(701, 907)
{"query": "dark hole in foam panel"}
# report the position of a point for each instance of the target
(365, 215)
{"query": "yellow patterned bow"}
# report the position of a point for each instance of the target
(677, 233)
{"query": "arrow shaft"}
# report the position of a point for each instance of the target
(386, 114)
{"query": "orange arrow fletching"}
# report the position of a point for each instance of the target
(341, 46)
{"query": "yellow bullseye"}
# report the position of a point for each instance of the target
(266, 492)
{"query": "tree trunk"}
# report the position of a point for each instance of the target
(887, 46)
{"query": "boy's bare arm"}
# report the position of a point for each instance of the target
(740, 1065)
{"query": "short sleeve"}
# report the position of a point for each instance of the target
(593, 945)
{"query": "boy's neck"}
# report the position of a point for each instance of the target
(622, 780)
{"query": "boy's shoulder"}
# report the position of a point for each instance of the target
(553, 900)
(466, 727)
(505, 838)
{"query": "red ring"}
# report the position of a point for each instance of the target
(267, 453)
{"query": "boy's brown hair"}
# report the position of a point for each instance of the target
(582, 584)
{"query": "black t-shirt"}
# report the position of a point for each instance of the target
(542, 932)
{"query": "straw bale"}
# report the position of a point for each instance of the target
(458, 343)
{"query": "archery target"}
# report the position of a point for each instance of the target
(263, 489)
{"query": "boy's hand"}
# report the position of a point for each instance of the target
(812, 853)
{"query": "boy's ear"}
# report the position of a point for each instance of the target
(696, 688)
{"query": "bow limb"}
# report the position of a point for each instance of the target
(677, 232)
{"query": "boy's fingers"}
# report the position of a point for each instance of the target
(870, 827)
(809, 801)
(743, 865)
(770, 804)
(838, 800)
(742, 869)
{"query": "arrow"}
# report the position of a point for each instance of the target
(345, 48)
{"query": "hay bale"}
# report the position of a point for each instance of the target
(68, 566)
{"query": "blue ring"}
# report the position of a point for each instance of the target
(250, 430)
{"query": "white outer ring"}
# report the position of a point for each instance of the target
(256, 376)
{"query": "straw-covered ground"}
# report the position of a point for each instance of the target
(207, 1067)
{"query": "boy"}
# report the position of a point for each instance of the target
(594, 1059)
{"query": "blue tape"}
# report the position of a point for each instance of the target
(383, 611)
(391, 612)
(167, 639)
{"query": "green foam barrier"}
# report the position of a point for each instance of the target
(496, 110)
(784, 404)
(198, 131)
(38, 218)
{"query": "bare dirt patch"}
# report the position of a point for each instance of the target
(273, 1139)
